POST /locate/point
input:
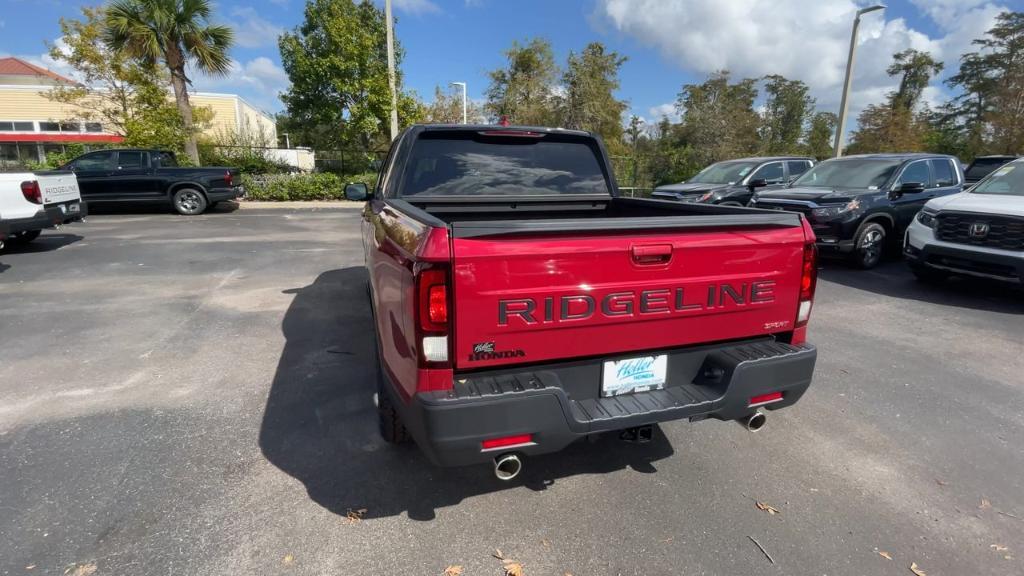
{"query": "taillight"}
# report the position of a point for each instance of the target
(432, 311)
(228, 178)
(808, 282)
(31, 191)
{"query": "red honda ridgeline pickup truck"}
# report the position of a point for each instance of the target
(521, 304)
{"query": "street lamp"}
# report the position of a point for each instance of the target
(463, 85)
(841, 128)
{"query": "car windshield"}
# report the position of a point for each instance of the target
(849, 173)
(1007, 180)
(723, 173)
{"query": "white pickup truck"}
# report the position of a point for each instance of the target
(30, 202)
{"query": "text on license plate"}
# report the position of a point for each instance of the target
(630, 375)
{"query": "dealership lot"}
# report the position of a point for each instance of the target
(193, 396)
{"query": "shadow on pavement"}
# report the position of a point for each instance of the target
(894, 279)
(320, 425)
(46, 242)
(98, 209)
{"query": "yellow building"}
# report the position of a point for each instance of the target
(32, 125)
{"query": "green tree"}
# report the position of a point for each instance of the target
(900, 124)
(787, 109)
(820, 135)
(719, 120)
(446, 108)
(990, 106)
(523, 90)
(177, 32)
(336, 61)
(590, 80)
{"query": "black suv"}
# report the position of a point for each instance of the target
(860, 205)
(732, 182)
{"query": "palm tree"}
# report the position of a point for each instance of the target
(178, 32)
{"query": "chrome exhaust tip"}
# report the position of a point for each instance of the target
(507, 466)
(754, 422)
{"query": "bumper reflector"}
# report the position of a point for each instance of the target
(765, 399)
(507, 441)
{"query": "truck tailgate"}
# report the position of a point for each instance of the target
(537, 297)
(57, 187)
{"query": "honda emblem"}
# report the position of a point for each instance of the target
(979, 230)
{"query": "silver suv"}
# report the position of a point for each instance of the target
(979, 232)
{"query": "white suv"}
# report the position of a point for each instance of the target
(979, 232)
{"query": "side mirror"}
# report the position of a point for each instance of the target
(356, 191)
(910, 187)
(69, 167)
(757, 183)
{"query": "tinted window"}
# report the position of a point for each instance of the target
(870, 173)
(130, 159)
(49, 127)
(770, 172)
(723, 173)
(797, 167)
(1008, 180)
(24, 127)
(459, 164)
(944, 174)
(95, 161)
(6, 126)
(916, 172)
(167, 160)
(982, 167)
(93, 127)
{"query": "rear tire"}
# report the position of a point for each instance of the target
(22, 238)
(869, 246)
(189, 201)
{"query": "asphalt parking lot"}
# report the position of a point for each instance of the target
(193, 396)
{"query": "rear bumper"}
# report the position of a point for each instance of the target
(48, 217)
(719, 382)
(221, 194)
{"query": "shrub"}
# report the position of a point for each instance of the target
(290, 187)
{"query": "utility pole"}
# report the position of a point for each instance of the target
(841, 127)
(463, 85)
(391, 68)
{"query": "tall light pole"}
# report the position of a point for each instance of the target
(841, 127)
(391, 68)
(463, 85)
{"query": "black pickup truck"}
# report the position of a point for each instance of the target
(152, 176)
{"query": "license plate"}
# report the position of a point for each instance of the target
(631, 375)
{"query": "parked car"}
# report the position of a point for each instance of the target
(977, 233)
(521, 304)
(982, 166)
(860, 205)
(733, 182)
(33, 201)
(152, 176)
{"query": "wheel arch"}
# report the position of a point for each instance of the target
(188, 184)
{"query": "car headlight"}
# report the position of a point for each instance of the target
(927, 218)
(827, 212)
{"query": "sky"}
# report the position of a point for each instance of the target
(668, 43)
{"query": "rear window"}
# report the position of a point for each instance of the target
(982, 167)
(472, 164)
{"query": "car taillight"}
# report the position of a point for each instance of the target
(228, 178)
(31, 191)
(808, 282)
(432, 305)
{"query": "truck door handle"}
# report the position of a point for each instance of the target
(652, 254)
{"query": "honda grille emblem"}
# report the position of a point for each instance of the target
(979, 230)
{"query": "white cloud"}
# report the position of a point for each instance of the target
(416, 6)
(253, 31)
(801, 39)
(259, 80)
(661, 110)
